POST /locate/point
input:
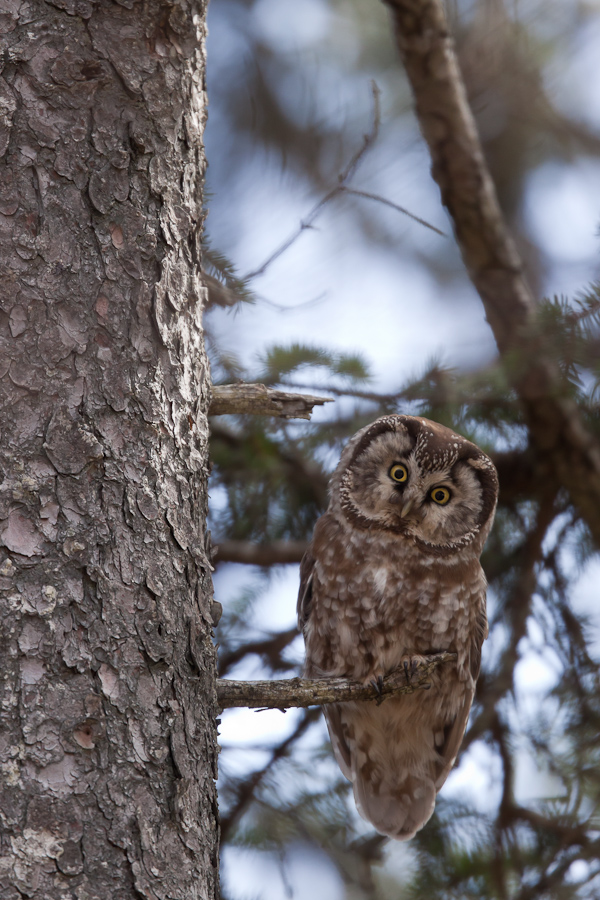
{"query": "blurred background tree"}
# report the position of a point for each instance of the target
(375, 309)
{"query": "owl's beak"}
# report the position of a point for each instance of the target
(407, 507)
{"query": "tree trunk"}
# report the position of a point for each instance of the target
(108, 741)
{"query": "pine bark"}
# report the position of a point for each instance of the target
(108, 740)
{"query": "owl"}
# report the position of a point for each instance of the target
(392, 572)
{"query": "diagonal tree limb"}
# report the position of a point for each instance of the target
(303, 692)
(556, 428)
(459, 167)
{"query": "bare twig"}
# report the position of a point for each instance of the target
(458, 165)
(368, 141)
(259, 400)
(340, 188)
(401, 209)
(294, 692)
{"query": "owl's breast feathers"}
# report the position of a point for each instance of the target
(369, 599)
(366, 602)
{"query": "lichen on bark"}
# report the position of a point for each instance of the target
(108, 742)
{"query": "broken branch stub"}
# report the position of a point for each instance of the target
(259, 400)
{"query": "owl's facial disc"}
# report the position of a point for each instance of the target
(393, 490)
(417, 479)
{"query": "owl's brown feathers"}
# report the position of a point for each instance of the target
(392, 572)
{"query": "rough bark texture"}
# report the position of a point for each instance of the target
(107, 746)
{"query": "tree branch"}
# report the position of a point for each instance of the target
(302, 692)
(401, 209)
(458, 165)
(269, 649)
(259, 400)
(275, 553)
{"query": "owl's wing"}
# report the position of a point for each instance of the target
(332, 711)
(451, 739)
(454, 732)
(337, 735)
(307, 567)
(481, 632)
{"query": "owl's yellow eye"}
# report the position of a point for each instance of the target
(398, 473)
(440, 495)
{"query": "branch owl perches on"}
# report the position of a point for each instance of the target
(393, 573)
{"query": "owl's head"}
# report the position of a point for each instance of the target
(413, 477)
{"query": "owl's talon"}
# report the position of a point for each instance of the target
(378, 684)
(413, 670)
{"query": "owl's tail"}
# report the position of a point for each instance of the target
(392, 763)
(398, 809)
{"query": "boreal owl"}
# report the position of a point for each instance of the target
(392, 572)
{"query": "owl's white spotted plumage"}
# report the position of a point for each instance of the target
(393, 572)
